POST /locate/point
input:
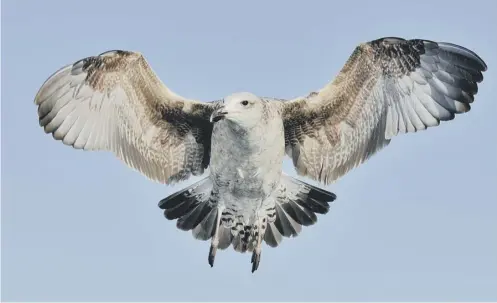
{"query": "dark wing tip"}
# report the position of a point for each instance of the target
(449, 47)
(454, 48)
(407, 55)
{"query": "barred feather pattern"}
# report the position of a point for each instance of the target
(387, 87)
(115, 102)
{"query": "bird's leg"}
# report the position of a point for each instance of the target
(256, 255)
(215, 239)
(212, 253)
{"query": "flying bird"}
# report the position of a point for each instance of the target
(389, 86)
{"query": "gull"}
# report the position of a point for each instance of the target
(115, 102)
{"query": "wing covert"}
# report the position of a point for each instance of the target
(115, 102)
(388, 86)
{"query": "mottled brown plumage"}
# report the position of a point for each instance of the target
(387, 86)
(115, 102)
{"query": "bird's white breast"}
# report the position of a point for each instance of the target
(247, 164)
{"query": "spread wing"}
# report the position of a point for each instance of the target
(115, 102)
(388, 86)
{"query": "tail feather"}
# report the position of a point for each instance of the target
(225, 237)
(239, 245)
(300, 214)
(183, 202)
(194, 217)
(272, 237)
(315, 203)
(179, 209)
(205, 230)
(296, 205)
(193, 209)
(287, 226)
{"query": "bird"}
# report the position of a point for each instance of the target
(389, 86)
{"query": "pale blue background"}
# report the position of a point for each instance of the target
(417, 222)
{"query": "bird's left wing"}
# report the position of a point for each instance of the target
(115, 102)
(388, 86)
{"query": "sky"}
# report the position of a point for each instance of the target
(416, 222)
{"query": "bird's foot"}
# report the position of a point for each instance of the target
(215, 238)
(256, 259)
(212, 255)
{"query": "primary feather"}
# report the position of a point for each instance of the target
(115, 102)
(388, 86)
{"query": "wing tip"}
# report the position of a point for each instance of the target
(46, 84)
(444, 45)
(451, 47)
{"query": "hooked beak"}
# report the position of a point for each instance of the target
(218, 115)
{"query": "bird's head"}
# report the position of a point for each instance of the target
(244, 109)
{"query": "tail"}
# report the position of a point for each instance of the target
(196, 209)
(193, 208)
(297, 204)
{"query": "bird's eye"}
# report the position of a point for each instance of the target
(244, 102)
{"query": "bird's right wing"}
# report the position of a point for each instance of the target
(115, 102)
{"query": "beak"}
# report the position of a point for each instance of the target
(218, 115)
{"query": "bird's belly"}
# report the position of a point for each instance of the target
(245, 169)
(246, 180)
(243, 191)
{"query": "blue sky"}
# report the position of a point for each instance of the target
(416, 222)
